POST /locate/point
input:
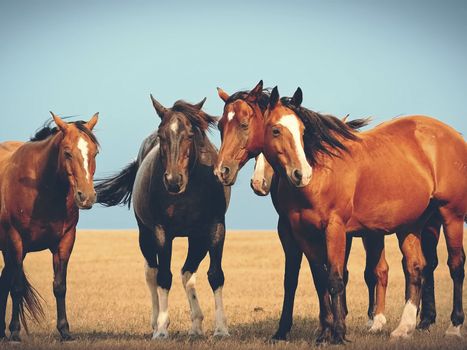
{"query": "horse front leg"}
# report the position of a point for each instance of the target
(336, 240)
(61, 255)
(293, 259)
(164, 281)
(5, 283)
(216, 277)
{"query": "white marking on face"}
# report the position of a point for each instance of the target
(230, 116)
(221, 323)
(258, 174)
(163, 317)
(151, 281)
(407, 323)
(174, 126)
(83, 147)
(189, 283)
(290, 122)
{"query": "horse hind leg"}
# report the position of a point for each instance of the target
(410, 245)
(197, 250)
(376, 277)
(454, 232)
(430, 238)
(5, 283)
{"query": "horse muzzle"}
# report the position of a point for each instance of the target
(227, 173)
(85, 201)
(260, 187)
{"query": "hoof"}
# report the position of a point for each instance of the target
(425, 324)
(454, 331)
(277, 338)
(221, 333)
(324, 337)
(401, 333)
(378, 323)
(160, 335)
(14, 338)
(66, 337)
(196, 333)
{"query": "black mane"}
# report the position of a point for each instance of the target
(47, 130)
(242, 95)
(322, 130)
(197, 117)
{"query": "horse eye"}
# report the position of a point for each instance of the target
(68, 154)
(276, 132)
(244, 125)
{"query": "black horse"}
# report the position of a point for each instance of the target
(176, 194)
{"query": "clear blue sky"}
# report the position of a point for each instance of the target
(360, 57)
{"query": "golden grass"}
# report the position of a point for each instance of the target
(109, 304)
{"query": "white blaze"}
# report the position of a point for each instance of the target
(174, 126)
(258, 174)
(83, 147)
(290, 122)
(230, 116)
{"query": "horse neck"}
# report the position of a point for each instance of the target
(46, 162)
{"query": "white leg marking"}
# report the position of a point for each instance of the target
(163, 317)
(230, 116)
(379, 321)
(454, 331)
(189, 283)
(151, 281)
(221, 322)
(290, 121)
(407, 323)
(83, 147)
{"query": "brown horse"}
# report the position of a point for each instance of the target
(404, 176)
(242, 130)
(43, 183)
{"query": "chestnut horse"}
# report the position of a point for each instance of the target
(403, 176)
(242, 130)
(175, 194)
(43, 183)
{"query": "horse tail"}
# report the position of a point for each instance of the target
(30, 304)
(465, 219)
(117, 189)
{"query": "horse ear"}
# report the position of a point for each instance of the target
(297, 97)
(274, 98)
(344, 120)
(256, 92)
(222, 94)
(63, 126)
(160, 109)
(200, 104)
(93, 121)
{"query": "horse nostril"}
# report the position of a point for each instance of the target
(81, 195)
(167, 177)
(225, 170)
(297, 174)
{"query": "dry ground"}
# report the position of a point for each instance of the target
(109, 305)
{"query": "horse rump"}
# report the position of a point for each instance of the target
(117, 189)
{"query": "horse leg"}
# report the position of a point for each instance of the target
(197, 250)
(61, 256)
(348, 247)
(164, 281)
(5, 283)
(454, 233)
(147, 245)
(430, 238)
(293, 259)
(216, 276)
(336, 238)
(376, 276)
(410, 245)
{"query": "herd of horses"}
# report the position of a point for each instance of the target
(329, 182)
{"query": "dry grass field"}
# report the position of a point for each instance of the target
(109, 305)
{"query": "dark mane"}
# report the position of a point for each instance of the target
(322, 131)
(198, 118)
(47, 130)
(242, 95)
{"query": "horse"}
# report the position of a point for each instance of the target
(43, 184)
(175, 194)
(405, 176)
(242, 130)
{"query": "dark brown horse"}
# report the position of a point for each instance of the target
(43, 183)
(175, 194)
(242, 130)
(404, 176)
